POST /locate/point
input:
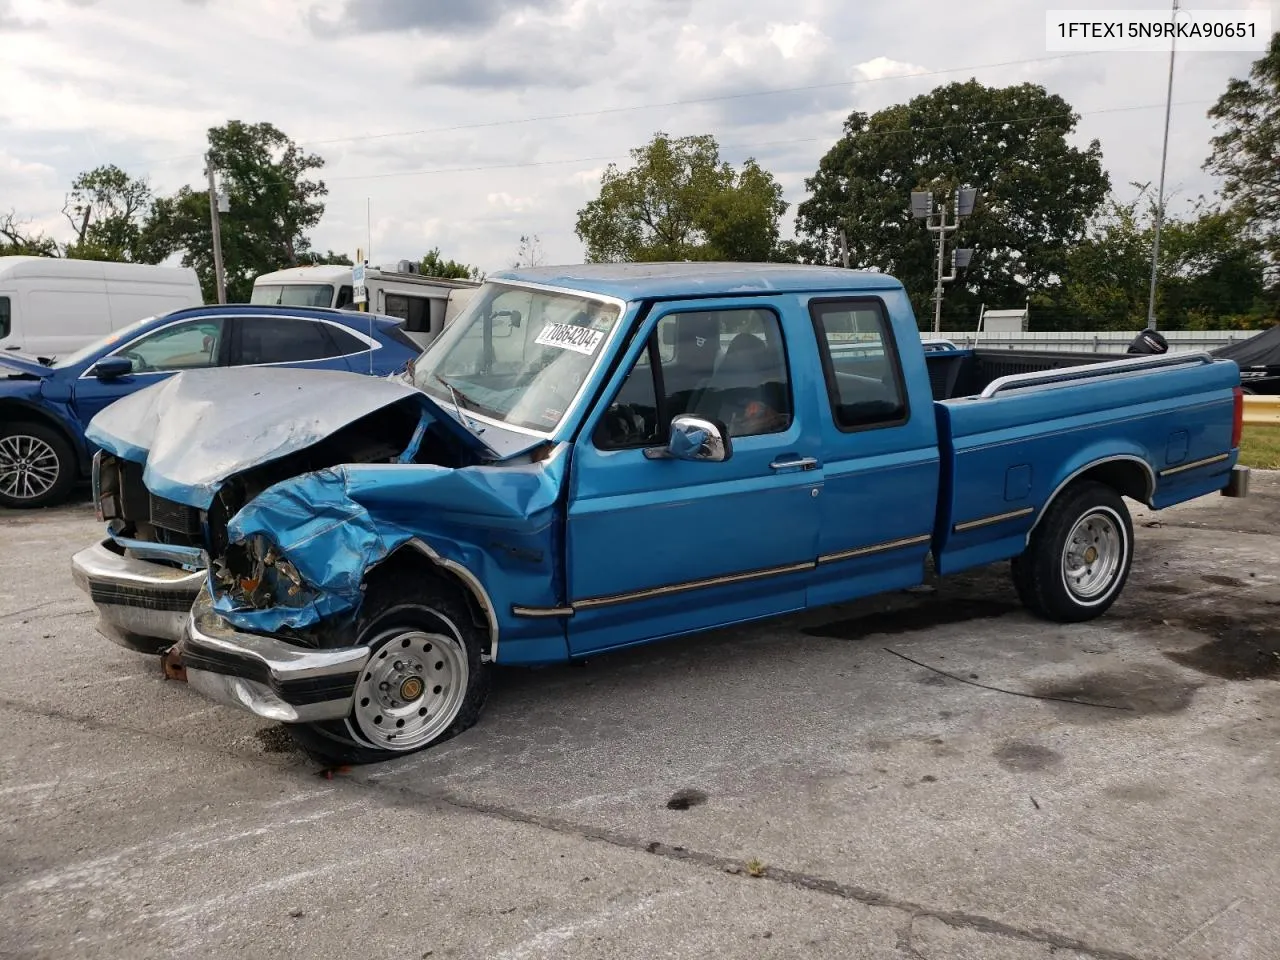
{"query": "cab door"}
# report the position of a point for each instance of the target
(658, 546)
(878, 429)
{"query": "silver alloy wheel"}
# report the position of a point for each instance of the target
(1093, 556)
(411, 689)
(29, 467)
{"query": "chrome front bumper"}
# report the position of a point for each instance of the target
(141, 605)
(265, 676)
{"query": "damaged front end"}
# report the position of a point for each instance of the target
(276, 505)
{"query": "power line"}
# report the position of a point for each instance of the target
(429, 171)
(693, 101)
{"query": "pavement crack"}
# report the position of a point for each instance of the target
(726, 865)
(721, 865)
(15, 614)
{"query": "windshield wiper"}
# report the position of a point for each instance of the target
(455, 393)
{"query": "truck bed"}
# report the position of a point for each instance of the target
(962, 373)
(1014, 428)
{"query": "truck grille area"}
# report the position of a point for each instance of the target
(175, 517)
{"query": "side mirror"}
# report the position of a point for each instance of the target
(694, 438)
(111, 368)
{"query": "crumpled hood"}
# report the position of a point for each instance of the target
(199, 427)
(11, 362)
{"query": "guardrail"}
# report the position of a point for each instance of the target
(1261, 411)
(1103, 341)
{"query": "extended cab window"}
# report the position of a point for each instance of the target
(282, 340)
(5, 322)
(184, 346)
(728, 366)
(860, 363)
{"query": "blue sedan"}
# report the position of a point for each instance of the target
(46, 404)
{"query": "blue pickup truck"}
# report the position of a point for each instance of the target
(598, 456)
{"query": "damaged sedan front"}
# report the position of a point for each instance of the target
(340, 553)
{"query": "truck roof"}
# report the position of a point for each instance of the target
(643, 281)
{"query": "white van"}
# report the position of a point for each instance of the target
(50, 306)
(425, 304)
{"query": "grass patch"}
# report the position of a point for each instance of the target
(1260, 447)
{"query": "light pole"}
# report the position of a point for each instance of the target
(218, 203)
(1164, 156)
(925, 207)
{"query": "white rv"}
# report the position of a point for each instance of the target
(51, 306)
(425, 304)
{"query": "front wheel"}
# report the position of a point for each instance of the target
(1079, 555)
(424, 683)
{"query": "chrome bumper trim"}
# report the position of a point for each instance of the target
(266, 676)
(141, 605)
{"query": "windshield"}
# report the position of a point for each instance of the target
(293, 294)
(517, 355)
(102, 343)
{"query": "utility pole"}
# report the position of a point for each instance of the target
(1164, 156)
(942, 231)
(216, 205)
(844, 249)
(924, 207)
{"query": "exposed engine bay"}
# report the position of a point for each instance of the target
(134, 512)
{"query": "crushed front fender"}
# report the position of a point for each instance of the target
(332, 526)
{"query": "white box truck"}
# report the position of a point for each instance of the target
(50, 306)
(425, 304)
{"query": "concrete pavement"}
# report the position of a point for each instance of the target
(857, 759)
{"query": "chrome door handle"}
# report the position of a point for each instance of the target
(804, 463)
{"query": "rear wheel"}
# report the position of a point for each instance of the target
(425, 681)
(37, 466)
(1079, 556)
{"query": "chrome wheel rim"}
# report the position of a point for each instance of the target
(411, 689)
(28, 466)
(1093, 556)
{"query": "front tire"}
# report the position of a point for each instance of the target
(37, 466)
(1079, 555)
(425, 681)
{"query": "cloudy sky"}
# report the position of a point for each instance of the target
(466, 123)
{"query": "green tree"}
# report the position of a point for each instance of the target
(109, 211)
(1245, 151)
(273, 205)
(18, 240)
(1037, 192)
(681, 202)
(1211, 272)
(434, 265)
(313, 259)
(529, 253)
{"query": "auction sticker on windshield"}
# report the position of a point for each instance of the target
(568, 336)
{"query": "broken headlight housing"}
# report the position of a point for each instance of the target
(254, 573)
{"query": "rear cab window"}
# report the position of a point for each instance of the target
(860, 363)
(6, 318)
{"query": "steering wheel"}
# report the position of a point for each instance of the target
(139, 364)
(623, 423)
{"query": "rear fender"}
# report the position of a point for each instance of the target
(1127, 471)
